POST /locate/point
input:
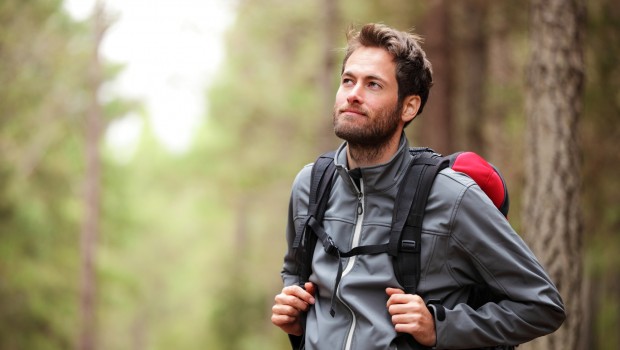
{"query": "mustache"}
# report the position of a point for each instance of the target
(348, 108)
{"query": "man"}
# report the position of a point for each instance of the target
(385, 83)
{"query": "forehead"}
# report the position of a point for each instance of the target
(371, 61)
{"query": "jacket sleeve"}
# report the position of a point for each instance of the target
(297, 209)
(484, 249)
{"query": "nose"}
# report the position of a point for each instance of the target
(354, 95)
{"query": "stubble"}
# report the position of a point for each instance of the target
(367, 141)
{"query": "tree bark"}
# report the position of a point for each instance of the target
(501, 149)
(434, 126)
(472, 31)
(92, 192)
(330, 20)
(552, 216)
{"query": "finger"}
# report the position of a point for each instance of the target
(398, 299)
(413, 300)
(404, 297)
(397, 309)
(291, 301)
(310, 288)
(287, 310)
(404, 308)
(282, 320)
(392, 291)
(300, 293)
(420, 325)
(406, 318)
(404, 328)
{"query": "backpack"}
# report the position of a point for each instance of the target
(405, 236)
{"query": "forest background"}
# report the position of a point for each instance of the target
(170, 250)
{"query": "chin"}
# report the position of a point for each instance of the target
(349, 133)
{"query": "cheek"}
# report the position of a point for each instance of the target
(340, 100)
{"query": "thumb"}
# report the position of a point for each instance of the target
(392, 291)
(309, 287)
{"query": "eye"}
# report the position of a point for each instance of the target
(374, 85)
(347, 81)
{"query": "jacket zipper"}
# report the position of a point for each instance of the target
(356, 240)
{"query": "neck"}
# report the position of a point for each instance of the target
(360, 155)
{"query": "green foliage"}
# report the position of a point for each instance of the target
(39, 160)
(43, 99)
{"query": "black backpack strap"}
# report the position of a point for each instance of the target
(321, 181)
(297, 341)
(406, 236)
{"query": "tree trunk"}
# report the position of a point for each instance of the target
(472, 31)
(552, 217)
(434, 126)
(92, 193)
(330, 20)
(501, 149)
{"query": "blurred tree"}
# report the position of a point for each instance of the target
(600, 133)
(435, 126)
(471, 33)
(503, 106)
(43, 100)
(40, 102)
(274, 65)
(554, 106)
(327, 82)
(92, 191)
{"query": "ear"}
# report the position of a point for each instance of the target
(411, 105)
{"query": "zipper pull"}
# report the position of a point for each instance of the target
(360, 207)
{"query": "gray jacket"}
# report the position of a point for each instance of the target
(465, 241)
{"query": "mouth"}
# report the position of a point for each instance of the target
(354, 112)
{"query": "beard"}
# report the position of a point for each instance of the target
(373, 132)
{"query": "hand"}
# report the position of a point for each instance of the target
(289, 306)
(410, 315)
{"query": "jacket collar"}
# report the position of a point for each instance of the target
(376, 178)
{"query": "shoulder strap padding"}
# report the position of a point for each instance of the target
(405, 239)
(304, 243)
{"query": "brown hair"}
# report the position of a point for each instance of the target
(413, 71)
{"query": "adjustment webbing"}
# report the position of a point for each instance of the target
(331, 249)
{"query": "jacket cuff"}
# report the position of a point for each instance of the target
(438, 311)
(439, 314)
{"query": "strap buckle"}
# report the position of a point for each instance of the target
(408, 246)
(330, 247)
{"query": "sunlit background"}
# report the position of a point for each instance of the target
(171, 51)
(144, 190)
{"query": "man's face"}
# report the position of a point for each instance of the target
(366, 110)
